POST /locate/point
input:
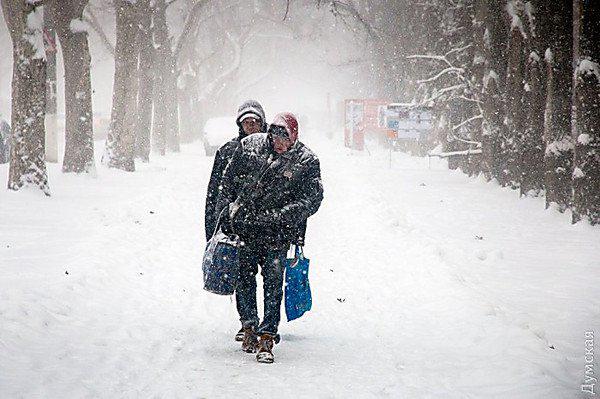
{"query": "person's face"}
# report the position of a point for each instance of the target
(281, 145)
(251, 125)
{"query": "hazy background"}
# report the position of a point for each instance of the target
(287, 65)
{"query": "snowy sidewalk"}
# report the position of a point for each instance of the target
(426, 284)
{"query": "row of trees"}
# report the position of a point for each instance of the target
(145, 85)
(147, 66)
(31, 23)
(172, 58)
(515, 85)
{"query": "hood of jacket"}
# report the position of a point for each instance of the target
(251, 107)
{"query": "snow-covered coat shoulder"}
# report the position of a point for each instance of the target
(278, 192)
(258, 145)
(255, 144)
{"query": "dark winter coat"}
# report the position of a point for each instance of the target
(222, 159)
(277, 193)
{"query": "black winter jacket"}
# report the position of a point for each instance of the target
(277, 193)
(222, 159)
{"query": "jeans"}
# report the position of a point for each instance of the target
(272, 265)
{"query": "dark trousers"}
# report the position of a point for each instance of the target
(272, 266)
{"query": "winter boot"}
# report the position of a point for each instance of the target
(239, 337)
(249, 341)
(265, 349)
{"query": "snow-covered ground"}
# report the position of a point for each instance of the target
(426, 284)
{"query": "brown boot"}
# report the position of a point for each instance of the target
(250, 340)
(265, 349)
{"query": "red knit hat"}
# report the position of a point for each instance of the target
(289, 122)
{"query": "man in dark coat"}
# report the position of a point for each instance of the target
(269, 189)
(250, 119)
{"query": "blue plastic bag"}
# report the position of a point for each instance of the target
(220, 264)
(298, 299)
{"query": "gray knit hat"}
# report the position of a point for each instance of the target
(251, 107)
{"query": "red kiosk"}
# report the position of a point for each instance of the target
(363, 117)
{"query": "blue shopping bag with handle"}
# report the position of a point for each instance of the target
(298, 299)
(220, 264)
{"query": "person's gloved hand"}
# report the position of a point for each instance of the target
(270, 219)
(265, 222)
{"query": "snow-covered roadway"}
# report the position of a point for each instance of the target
(426, 284)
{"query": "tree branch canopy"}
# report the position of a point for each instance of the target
(190, 24)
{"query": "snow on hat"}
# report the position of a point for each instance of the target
(288, 121)
(250, 115)
(250, 108)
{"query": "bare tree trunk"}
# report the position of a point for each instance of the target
(515, 115)
(166, 113)
(119, 152)
(492, 35)
(188, 92)
(478, 69)
(558, 155)
(186, 108)
(79, 134)
(586, 111)
(159, 112)
(172, 106)
(50, 120)
(162, 46)
(531, 148)
(463, 110)
(27, 166)
(445, 123)
(145, 83)
(187, 65)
